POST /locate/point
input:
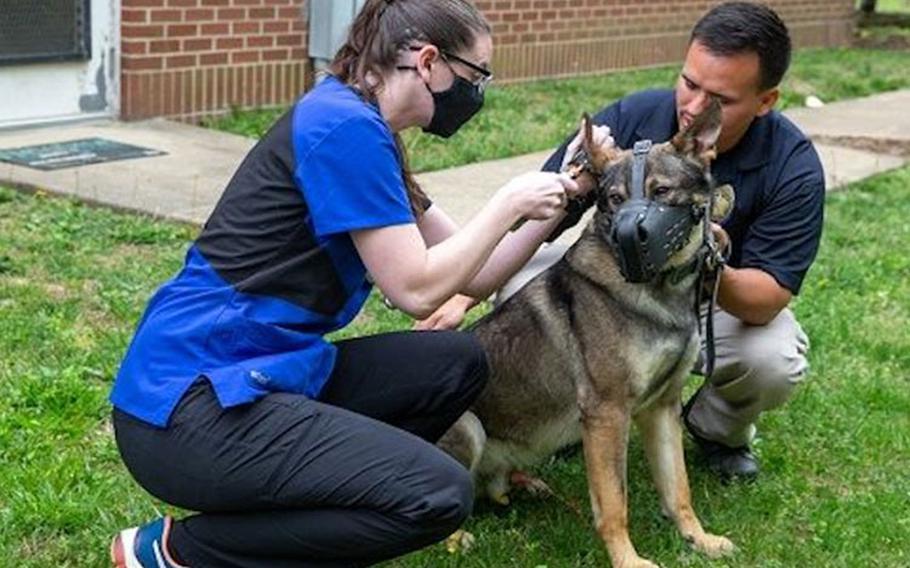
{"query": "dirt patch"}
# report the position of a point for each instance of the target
(56, 292)
(900, 148)
(125, 253)
(889, 43)
(879, 19)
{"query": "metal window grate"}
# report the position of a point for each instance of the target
(44, 30)
(329, 24)
(74, 153)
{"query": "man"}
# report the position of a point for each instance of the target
(738, 53)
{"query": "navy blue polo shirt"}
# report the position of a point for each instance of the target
(274, 268)
(776, 223)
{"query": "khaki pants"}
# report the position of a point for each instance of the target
(756, 367)
(755, 370)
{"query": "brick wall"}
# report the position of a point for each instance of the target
(550, 38)
(189, 58)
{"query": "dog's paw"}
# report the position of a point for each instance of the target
(533, 485)
(636, 562)
(498, 490)
(714, 546)
(460, 541)
(501, 499)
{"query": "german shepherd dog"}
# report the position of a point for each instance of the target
(580, 352)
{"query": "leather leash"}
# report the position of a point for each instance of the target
(710, 267)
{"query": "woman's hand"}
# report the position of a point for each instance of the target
(537, 195)
(449, 315)
(601, 140)
(418, 278)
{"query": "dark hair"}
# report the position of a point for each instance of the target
(740, 27)
(382, 29)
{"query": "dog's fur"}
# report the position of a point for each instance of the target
(579, 352)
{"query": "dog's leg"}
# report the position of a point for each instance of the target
(498, 487)
(465, 441)
(662, 440)
(605, 435)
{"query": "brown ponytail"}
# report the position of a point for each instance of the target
(382, 29)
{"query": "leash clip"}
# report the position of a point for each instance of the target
(579, 164)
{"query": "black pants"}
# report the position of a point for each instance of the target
(349, 480)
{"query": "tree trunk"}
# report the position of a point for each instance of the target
(867, 6)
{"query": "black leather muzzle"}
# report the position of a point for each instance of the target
(646, 233)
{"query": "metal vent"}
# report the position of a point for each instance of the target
(329, 23)
(44, 30)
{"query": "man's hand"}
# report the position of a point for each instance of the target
(600, 139)
(450, 315)
(721, 238)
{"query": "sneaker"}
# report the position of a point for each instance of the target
(727, 463)
(144, 547)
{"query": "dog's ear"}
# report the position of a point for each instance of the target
(699, 138)
(724, 197)
(600, 155)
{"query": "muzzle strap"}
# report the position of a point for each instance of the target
(639, 160)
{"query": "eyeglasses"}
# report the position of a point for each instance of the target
(485, 74)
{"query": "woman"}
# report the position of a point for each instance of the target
(229, 401)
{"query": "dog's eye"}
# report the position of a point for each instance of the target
(660, 190)
(616, 199)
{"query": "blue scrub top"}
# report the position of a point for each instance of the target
(274, 268)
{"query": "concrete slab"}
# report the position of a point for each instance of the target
(462, 191)
(846, 165)
(183, 185)
(883, 117)
(186, 184)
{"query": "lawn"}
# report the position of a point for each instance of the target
(527, 117)
(74, 279)
(834, 491)
(887, 28)
(890, 6)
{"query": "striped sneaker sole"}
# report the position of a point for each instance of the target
(122, 543)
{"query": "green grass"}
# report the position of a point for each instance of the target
(834, 492)
(887, 28)
(883, 32)
(890, 6)
(528, 117)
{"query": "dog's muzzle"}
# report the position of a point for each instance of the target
(646, 233)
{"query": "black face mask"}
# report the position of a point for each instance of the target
(453, 107)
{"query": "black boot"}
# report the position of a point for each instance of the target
(727, 463)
